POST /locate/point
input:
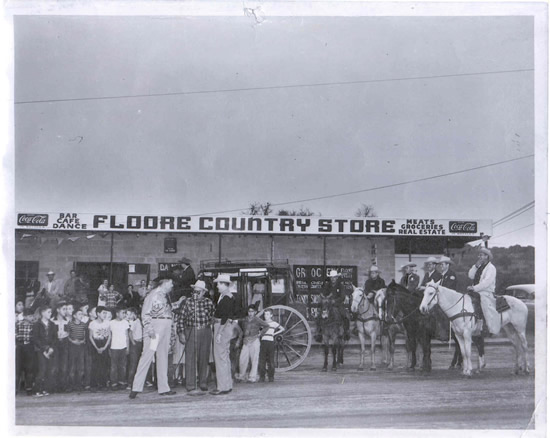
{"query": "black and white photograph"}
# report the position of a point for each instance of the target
(276, 218)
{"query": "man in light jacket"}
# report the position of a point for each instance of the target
(484, 275)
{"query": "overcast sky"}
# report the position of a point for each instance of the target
(200, 153)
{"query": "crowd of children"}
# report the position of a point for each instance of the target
(75, 348)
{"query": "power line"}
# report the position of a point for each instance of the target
(510, 232)
(273, 87)
(514, 216)
(515, 213)
(376, 188)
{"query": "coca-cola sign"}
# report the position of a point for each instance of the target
(463, 227)
(35, 220)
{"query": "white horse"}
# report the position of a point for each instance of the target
(367, 323)
(460, 310)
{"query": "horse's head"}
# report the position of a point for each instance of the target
(356, 297)
(379, 302)
(430, 297)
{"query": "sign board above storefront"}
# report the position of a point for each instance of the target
(310, 225)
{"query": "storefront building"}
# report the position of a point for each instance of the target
(126, 249)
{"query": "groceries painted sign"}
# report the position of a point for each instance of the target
(254, 224)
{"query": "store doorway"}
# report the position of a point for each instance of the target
(96, 272)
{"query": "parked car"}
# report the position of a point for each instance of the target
(526, 293)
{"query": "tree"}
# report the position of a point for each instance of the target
(303, 211)
(259, 209)
(365, 211)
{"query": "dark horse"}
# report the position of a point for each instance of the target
(330, 332)
(403, 307)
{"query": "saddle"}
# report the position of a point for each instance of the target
(502, 305)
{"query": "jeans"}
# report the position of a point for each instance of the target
(118, 366)
(61, 365)
(133, 359)
(100, 366)
(25, 358)
(267, 357)
(77, 361)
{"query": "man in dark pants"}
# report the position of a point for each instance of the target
(195, 330)
(61, 356)
(334, 287)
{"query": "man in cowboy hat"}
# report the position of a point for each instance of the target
(194, 328)
(374, 282)
(184, 278)
(334, 288)
(410, 280)
(156, 316)
(224, 318)
(53, 289)
(448, 277)
(430, 273)
(484, 274)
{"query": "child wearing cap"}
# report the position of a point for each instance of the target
(119, 349)
(99, 332)
(250, 352)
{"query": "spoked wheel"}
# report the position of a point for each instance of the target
(293, 345)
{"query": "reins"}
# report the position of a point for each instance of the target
(370, 318)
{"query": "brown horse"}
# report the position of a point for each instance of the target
(330, 331)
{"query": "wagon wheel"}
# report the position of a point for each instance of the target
(293, 345)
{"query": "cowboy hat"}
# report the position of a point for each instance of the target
(199, 285)
(185, 260)
(411, 264)
(444, 259)
(486, 251)
(374, 268)
(333, 273)
(430, 260)
(50, 272)
(223, 278)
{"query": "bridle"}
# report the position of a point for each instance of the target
(370, 318)
(463, 313)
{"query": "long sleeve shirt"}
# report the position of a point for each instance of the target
(487, 281)
(225, 309)
(44, 336)
(195, 313)
(155, 306)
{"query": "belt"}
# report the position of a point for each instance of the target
(162, 317)
(199, 326)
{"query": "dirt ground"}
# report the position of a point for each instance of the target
(307, 397)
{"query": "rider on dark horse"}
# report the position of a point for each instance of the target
(335, 288)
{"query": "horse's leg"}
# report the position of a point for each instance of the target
(384, 343)
(426, 352)
(480, 345)
(524, 349)
(335, 348)
(467, 336)
(373, 336)
(457, 358)
(511, 334)
(362, 342)
(325, 365)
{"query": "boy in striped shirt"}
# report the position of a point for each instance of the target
(267, 346)
(77, 330)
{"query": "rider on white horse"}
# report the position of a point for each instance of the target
(484, 274)
(373, 283)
